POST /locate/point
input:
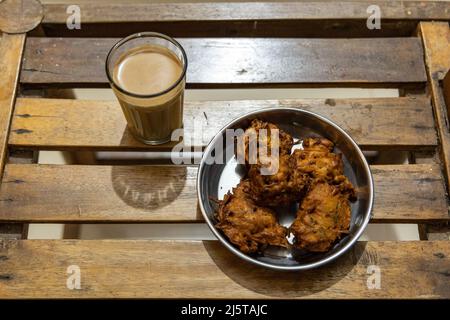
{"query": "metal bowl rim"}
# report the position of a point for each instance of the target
(306, 266)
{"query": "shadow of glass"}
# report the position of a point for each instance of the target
(148, 187)
(282, 284)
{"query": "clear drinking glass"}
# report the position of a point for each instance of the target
(147, 72)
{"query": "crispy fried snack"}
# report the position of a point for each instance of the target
(280, 188)
(276, 188)
(251, 138)
(249, 227)
(317, 160)
(323, 217)
(313, 176)
(320, 164)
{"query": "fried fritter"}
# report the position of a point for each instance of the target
(323, 217)
(250, 227)
(320, 164)
(318, 145)
(250, 149)
(313, 176)
(280, 188)
(317, 160)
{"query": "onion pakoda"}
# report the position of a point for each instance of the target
(280, 188)
(250, 227)
(250, 147)
(323, 217)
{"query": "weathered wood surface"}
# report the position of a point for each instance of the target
(77, 193)
(181, 269)
(232, 62)
(382, 123)
(249, 19)
(98, 12)
(20, 16)
(436, 41)
(16, 230)
(11, 49)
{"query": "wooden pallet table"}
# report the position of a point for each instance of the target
(229, 45)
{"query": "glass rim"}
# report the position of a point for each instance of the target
(142, 35)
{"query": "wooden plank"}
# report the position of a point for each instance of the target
(171, 12)
(181, 269)
(249, 19)
(420, 188)
(383, 123)
(436, 42)
(302, 19)
(13, 230)
(237, 62)
(77, 193)
(11, 49)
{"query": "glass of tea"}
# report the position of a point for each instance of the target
(147, 72)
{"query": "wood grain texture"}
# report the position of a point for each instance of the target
(276, 19)
(436, 42)
(77, 193)
(382, 123)
(11, 49)
(237, 62)
(20, 16)
(177, 269)
(406, 191)
(12, 230)
(170, 12)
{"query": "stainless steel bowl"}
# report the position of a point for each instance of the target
(216, 179)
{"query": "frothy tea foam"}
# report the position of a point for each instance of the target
(147, 70)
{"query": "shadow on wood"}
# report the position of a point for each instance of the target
(146, 187)
(287, 284)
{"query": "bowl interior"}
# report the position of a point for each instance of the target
(217, 177)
